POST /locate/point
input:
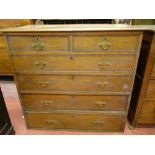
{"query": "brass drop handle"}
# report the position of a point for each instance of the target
(103, 65)
(101, 103)
(43, 84)
(102, 84)
(37, 45)
(105, 44)
(40, 64)
(47, 102)
(99, 123)
(50, 122)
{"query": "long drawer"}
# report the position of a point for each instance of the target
(115, 83)
(147, 117)
(75, 120)
(148, 105)
(39, 43)
(105, 41)
(150, 92)
(147, 114)
(74, 63)
(74, 102)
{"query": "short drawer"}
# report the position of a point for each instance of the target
(106, 42)
(75, 121)
(75, 83)
(74, 63)
(38, 43)
(147, 117)
(74, 102)
(2, 42)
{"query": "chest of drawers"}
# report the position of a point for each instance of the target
(5, 63)
(142, 109)
(74, 77)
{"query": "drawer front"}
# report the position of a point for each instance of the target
(75, 83)
(74, 63)
(74, 102)
(148, 105)
(147, 117)
(5, 66)
(2, 42)
(153, 70)
(3, 52)
(150, 92)
(74, 120)
(103, 42)
(38, 43)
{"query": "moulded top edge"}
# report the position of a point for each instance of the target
(80, 27)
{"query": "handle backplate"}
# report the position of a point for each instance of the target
(105, 44)
(43, 84)
(100, 103)
(37, 45)
(40, 64)
(102, 84)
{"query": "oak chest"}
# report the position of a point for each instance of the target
(142, 109)
(74, 77)
(5, 63)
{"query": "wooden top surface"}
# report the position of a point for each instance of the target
(79, 27)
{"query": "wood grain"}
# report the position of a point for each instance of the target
(74, 63)
(80, 28)
(5, 62)
(92, 42)
(75, 83)
(58, 42)
(74, 102)
(142, 103)
(75, 121)
(87, 74)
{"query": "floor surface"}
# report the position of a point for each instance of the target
(16, 116)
